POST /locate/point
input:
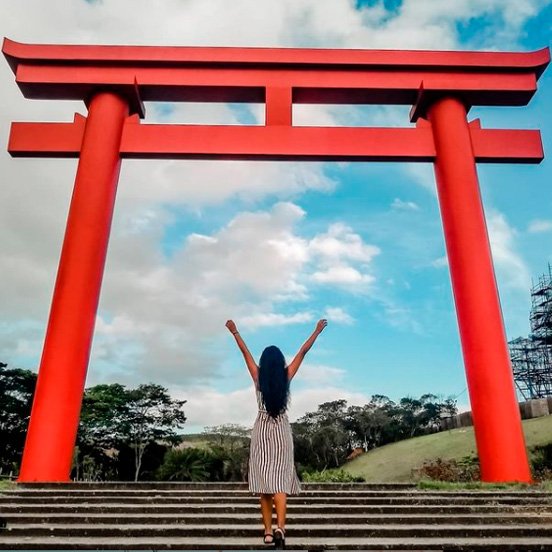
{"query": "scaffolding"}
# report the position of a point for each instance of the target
(532, 356)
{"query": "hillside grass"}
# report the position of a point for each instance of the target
(395, 462)
(203, 440)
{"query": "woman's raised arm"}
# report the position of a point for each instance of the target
(296, 362)
(249, 361)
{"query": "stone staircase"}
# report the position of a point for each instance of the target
(224, 516)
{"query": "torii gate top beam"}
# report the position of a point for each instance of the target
(242, 74)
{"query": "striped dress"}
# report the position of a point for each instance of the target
(271, 467)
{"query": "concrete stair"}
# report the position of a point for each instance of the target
(225, 516)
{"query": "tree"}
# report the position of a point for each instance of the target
(150, 415)
(114, 417)
(104, 410)
(324, 432)
(227, 435)
(324, 438)
(101, 432)
(230, 444)
(16, 397)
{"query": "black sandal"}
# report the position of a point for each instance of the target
(279, 538)
(268, 535)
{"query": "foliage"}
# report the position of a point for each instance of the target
(16, 397)
(470, 485)
(228, 436)
(324, 438)
(6, 484)
(117, 419)
(439, 469)
(330, 476)
(466, 469)
(541, 462)
(102, 413)
(321, 438)
(230, 444)
(152, 458)
(545, 485)
(191, 464)
(151, 415)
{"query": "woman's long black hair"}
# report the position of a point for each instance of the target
(273, 380)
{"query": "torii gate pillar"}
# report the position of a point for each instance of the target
(438, 84)
(486, 358)
(60, 384)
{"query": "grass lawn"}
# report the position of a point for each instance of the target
(6, 484)
(395, 462)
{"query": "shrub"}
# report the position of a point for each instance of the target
(440, 469)
(190, 464)
(541, 462)
(331, 476)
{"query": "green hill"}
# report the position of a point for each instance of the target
(395, 462)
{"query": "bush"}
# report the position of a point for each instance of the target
(190, 464)
(331, 476)
(541, 462)
(463, 470)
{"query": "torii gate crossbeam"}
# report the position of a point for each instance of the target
(115, 80)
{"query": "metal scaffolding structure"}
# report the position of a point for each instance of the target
(532, 356)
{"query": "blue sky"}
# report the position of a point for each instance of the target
(273, 246)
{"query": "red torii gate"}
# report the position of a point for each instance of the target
(115, 80)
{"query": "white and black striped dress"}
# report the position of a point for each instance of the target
(271, 467)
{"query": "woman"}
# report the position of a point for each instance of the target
(271, 469)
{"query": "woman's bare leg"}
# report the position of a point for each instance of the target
(280, 504)
(266, 509)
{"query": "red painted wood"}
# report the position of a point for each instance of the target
(496, 417)
(56, 406)
(18, 52)
(248, 85)
(149, 141)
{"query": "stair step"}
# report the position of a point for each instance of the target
(298, 530)
(292, 543)
(337, 500)
(321, 510)
(215, 516)
(169, 493)
(253, 517)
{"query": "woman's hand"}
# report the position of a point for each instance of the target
(321, 324)
(230, 324)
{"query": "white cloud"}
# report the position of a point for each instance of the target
(208, 407)
(342, 275)
(441, 262)
(338, 315)
(404, 205)
(162, 310)
(335, 251)
(274, 319)
(320, 374)
(509, 263)
(341, 243)
(538, 226)
(401, 316)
